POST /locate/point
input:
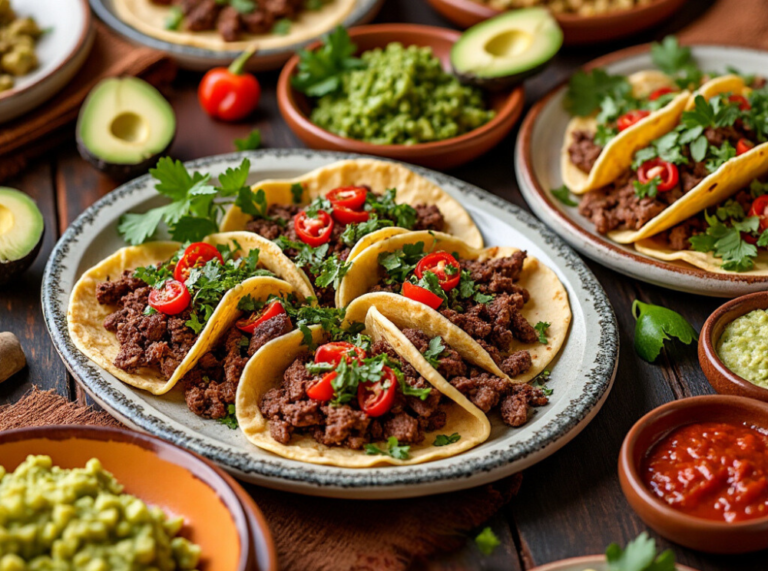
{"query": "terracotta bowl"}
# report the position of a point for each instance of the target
(596, 562)
(722, 379)
(295, 107)
(163, 475)
(577, 30)
(693, 532)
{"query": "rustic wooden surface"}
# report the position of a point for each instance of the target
(570, 504)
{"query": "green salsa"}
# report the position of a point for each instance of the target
(401, 97)
(52, 519)
(743, 347)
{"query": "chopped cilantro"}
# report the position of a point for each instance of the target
(314, 4)
(433, 352)
(656, 324)
(320, 71)
(604, 134)
(487, 541)
(149, 310)
(587, 91)
(444, 440)
(639, 555)
(392, 449)
(726, 241)
(719, 155)
(230, 421)
(174, 19)
(564, 196)
(243, 6)
(282, 27)
(677, 61)
(249, 143)
(540, 380)
(649, 189)
(194, 324)
(297, 192)
(385, 207)
(353, 233)
(541, 328)
(400, 263)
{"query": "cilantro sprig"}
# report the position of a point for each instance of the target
(540, 382)
(249, 143)
(564, 196)
(677, 61)
(486, 541)
(588, 90)
(328, 270)
(445, 440)
(434, 350)
(724, 237)
(655, 325)
(320, 71)
(392, 448)
(230, 420)
(639, 555)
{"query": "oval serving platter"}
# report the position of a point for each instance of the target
(537, 163)
(581, 376)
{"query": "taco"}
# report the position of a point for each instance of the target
(147, 313)
(323, 219)
(506, 308)
(717, 148)
(215, 25)
(354, 400)
(731, 236)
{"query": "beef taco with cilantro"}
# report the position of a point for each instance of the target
(499, 304)
(353, 399)
(718, 147)
(147, 313)
(323, 219)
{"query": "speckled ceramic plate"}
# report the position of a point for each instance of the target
(537, 162)
(581, 376)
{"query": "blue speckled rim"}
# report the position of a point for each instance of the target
(105, 12)
(596, 383)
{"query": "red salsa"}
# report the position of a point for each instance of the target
(712, 470)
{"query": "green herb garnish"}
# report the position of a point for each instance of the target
(541, 328)
(564, 196)
(656, 324)
(444, 440)
(392, 449)
(320, 71)
(487, 541)
(639, 555)
(249, 143)
(230, 421)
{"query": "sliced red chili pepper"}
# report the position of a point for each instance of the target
(322, 390)
(376, 399)
(344, 215)
(422, 295)
(437, 263)
(666, 172)
(250, 323)
(742, 101)
(335, 351)
(313, 231)
(172, 299)
(352, 197)
(195, 256)
(629, 119)
(760, 209)
(659, 92)
(744, 146)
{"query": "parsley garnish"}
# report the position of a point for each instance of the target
(242, 6)
(174, 19)
(487, 541)
(149, 310)
(350, 375)
(656, 324)
(433, 352)
(725, 241)
(443, 440)
(587, 91)
(400, 263)
(720, 155)
(649, 189)
(320, 71)
(564, 196)
(392, 449)
(354, 232)
(230, 421)
(384, 205)
(282, 27)
(677, 61)
(249, 143)
(327, 271)
(297, 192)
(541, 328)
(540, 380)
(639, 555)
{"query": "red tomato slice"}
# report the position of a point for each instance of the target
(437, 263)
(313, 231)
(418, 293)
(334, 352)
(322, 390)
(665, 171)
(760, 209)
(172, 299)
(195, 256)
(629, 119)
(250, 323)
(376, 399)
(742, 101)
(744, 146)
(659, 92)
(344, 215)
(352, 197)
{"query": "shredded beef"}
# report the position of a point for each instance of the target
(583, 151)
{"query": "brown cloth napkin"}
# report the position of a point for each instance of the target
(26, 137)
(318, 533)
(731, 22)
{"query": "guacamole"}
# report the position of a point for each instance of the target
(53, 519)
(401, 96)
(743, 347)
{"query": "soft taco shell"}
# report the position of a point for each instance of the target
(85, 316)
(150, 19)
(657, 248)
(548, 302)
(380, 176)
(265, 371)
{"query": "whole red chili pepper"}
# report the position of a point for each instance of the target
(229, 94)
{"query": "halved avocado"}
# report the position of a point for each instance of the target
(21, 233)
(124, 125)
(503, 51)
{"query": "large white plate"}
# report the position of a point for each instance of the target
(581, 377)
(537, 162)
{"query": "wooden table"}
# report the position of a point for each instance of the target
(569, 504)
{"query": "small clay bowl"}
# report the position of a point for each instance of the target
(296, 108)
(596, 562)
(722, 379)
(693, 532)
(161, 474)
(577, 30)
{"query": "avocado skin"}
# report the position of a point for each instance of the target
(498, 83)
(12, 269)
(118, 172)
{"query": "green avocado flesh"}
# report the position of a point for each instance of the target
(125, 121)
(509, 47)
(21, 225)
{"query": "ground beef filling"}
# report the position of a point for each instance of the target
(156, 341)
(210, 387)
(583, 151)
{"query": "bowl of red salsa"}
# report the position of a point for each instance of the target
(696, 471)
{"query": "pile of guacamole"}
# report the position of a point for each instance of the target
(79, 520)
(401, 97)
(743, 347)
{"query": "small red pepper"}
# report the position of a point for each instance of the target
(229, 94)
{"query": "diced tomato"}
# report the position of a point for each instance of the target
(376, 399)
(660, 92)
(344, 215)
(172, 299)
(422, 295)
(352, 197)
(313, 231)
(742, 101)
(744, 146)
(335, 351)
(760, 209)
(666, 172)
(322, 390)
(250, 323)
(629, 119)
(195, 256)
(437, 263)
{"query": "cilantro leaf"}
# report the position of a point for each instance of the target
(354, 232)
(564, 196)
(604, 134)
(541, 328)
(639, 555)
(444, 440)
(656, 324)
(540, 380)
(230, 421)
(249, 143)
(297, 192)
(392, 449)
(649, 189)
(193, 229)
(194, 324)
(331, 272)
(243, 6)
(319, 71)
(587, 90)
(253, 203)
(174, 19)
(433, 352)
(385, 207)
(762, 242)
(677, 61)
(282, 27)
(727, 242)
(138, 228)
(699, 148)
(487, 541)
(719, 155)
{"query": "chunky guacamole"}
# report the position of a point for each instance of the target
(53, 519)
(743, 347)
(401, 96)
(18, 37)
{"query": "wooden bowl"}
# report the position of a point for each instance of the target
(295, 107)
(693, 532)
(596, 562)
(577, 30)
(161, 474)
(722, 379)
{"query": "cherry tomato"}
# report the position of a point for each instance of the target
(418, 293)
(659, 92)
(437, 263)
(229, 94)
(322, 390)
(629, 119)
(665, 171)
(760, 209)
(334, 352)
(195, 256)
(744, 146)
(344, 215)
(172, 299)
(313, 231)
(352, 197)
(250, 323)
(375, 399)
(742, 101)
